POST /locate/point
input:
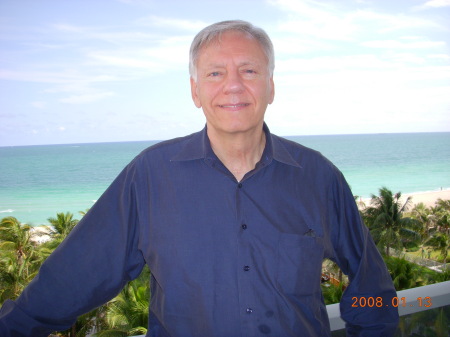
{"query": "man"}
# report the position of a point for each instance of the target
(233, 221)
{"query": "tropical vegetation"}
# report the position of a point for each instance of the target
(388, 225)
(406, 236)
(21, 254)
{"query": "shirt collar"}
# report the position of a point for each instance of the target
(196, 147)
(199, 147)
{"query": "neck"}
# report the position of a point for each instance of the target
(238, 152)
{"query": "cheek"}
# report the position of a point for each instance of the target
(209, 96)
(263, 95)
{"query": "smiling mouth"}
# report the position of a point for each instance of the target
(234, 106)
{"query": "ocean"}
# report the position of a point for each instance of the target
(36, 182)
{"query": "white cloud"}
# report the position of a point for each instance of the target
(39, 104)
(338, 64)
(102, 34)
(65, 76)
(343, 101)
(136, 2)
(433, 4)
(33, 76)
(108, 58)
(86, 98)
(168, 55)
(331, 22)
(166, 22)
(305, 7)
(443, 57)
(395, 44)
(69, 28)
(154, 50)
(325, 28)
(311, 18)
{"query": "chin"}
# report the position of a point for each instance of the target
(239, 128)
(235, 125)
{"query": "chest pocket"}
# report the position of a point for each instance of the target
(299, 264)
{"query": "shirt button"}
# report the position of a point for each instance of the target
(244, 226)
(246, 268)
(249, 310)
(239, 185)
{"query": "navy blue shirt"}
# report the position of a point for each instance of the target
(227, 258)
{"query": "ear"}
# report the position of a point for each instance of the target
(194, 93)
(272, 91)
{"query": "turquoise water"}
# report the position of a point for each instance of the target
(36, 182)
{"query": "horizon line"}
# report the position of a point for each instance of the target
(162, 140)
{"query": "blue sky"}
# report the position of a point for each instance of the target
(117, 70)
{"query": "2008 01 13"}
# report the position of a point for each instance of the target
(363, 301)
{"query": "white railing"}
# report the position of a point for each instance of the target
(409, 301)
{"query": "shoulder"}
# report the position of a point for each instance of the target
(168, 149)
(172, 145)
(304, 156)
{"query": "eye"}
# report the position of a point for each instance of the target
(249, 72)
(214, 74)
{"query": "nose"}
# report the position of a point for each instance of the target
(233, 83)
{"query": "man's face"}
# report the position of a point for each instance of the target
(233, 84)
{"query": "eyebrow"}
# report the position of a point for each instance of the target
(222, 65)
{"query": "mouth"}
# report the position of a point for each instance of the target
(234, 106)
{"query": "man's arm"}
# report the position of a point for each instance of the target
(90, 267)
(358, 257)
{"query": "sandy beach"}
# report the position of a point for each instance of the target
(428, 198)
(39, 234)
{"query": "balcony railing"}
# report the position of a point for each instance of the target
(410, 302)
(434, 298)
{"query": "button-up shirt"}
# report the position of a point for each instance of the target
(227, 258)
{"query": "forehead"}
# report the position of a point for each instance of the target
(233, 44)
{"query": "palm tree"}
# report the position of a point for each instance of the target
(62, 226)
(18, 259)
(445, 204)
(127, 314)
(15, 236)
(441, 243)
(83, 213)
(442, 211)
(13, 276)
(405, 275)
(386, 221)
(426, 216)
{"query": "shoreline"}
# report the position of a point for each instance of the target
(40, 233)
(428, 198)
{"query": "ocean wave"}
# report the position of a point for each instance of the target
(7, 211)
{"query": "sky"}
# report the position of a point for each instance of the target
(117, 70)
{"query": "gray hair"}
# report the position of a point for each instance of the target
(214, 31)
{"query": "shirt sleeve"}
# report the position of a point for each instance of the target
(358, 257)
(89, 267)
